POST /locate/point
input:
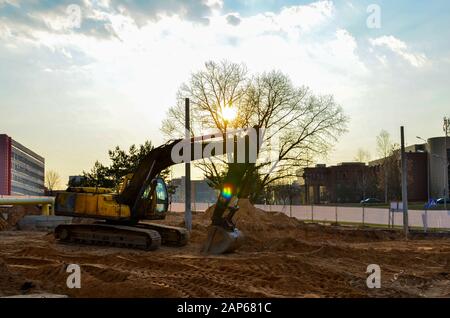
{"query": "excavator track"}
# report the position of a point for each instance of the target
(110, 235)
(170, 235)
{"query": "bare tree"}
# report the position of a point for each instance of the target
(300, 121)
(363, 181)
(219, 85)
(391, 178)
(367, 182)
(384, 144)
(362, 155)
(384, 150)
(52, 180)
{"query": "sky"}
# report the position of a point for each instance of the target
(80, 77)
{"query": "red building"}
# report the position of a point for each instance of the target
(21, 170)
(352, 182)
(343, 183)
(5, 165)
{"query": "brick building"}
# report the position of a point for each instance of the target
(345, 182)
(353, 181)
(21, 170)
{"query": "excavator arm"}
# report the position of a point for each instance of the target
(122, 212)
(161, 158)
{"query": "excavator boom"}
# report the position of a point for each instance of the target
(144, 196)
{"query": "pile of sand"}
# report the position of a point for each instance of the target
(3, 224)
(262, 230)
(15, 214)
(11, 282)
(275, 231)
(252, 219)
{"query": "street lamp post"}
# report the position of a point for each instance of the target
(404, 183)
(446, 128)
(187, 171)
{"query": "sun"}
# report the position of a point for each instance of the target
(229, 113)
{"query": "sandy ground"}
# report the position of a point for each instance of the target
(281, 257)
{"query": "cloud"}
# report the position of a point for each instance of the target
(132, 69)
(305, 17)
(55, 16)
(107, 19)
(14, 3)
(143, 10)
(233, 19)
(401, 49)
(62, 17)
(288, 40)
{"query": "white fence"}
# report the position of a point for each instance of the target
(358, 215)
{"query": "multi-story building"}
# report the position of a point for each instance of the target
(21, 170)
(416, 157)
(428, 176)
(343, 183)
(438, 150)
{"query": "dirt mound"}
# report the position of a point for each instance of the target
(16, 213)
(291, 259)
(11, 282)
(246, 210)
(275, 231)
(268, 231)
(3, 224)
(250, 218)
(262, 230)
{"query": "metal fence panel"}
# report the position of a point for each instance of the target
(357, 215)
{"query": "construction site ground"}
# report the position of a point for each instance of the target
(281, 257)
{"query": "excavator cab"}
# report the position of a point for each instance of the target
(153, 203)
(156, 194)
(154, 200)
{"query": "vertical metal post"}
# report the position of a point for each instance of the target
(336, 212)
(363, 214)
(425, 223)
(446, 127)
(45, 210)
(194, 196)
(187, 170)
(389, 218)
(404, 182)
(290, 199)
(428, 175)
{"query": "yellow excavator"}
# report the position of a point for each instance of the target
(143, 196)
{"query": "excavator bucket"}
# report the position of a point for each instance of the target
(220, 240)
